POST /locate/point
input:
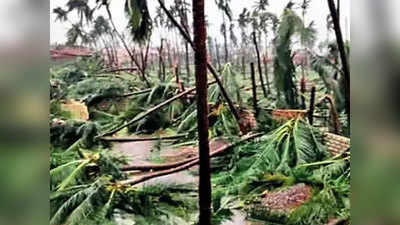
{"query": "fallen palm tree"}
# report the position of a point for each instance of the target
(143, 115)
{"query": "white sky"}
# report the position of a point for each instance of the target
(317, 12)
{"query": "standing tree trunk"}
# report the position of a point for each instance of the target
(266, 64)
(311, 110)
(254, 88)
(176, 72)
(169, 54)
(130, 53)
(243, 67)
(343, 57)
(200, 35)
(145, 57)
(161, 61)
(303, 92)
(225, 40)
(209, 66)
(266, 73)
(187, 58)
(259, 65)
(218, 56)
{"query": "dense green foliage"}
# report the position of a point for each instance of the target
(87, 184)
(278, 160)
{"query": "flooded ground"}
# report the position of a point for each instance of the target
(141, 153)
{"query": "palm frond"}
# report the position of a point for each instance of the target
(60, 173)
(73, 177)
(68, 206)
(140, 23)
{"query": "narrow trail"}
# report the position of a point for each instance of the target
(141, 153)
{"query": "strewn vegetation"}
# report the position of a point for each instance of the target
(259, 109)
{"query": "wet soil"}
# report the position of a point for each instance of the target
(141, 153)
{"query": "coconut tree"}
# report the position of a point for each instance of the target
(223, 6)
(82, 8)
(243, 22)
(139, 26)
(343, 55)
(267, 20)
(284, 69)
(74, 34)
(102, 31)
(181, 9)
(61, 14)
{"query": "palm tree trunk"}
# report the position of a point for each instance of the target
(266, 65)
(311, 110)
(145, 59)
(169, 55)
(243, 67)
(187, 61)
(218, 56)
(209, 66)
(160, 60)
(253, 85)
(259, 65)
(125, 45)
(343, 57)
(303, 92)
(266, 74)
(225, 41)
(177, 74)
(200, 35)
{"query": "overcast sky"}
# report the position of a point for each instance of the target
(317, 12)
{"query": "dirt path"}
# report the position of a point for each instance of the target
(141, 152)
